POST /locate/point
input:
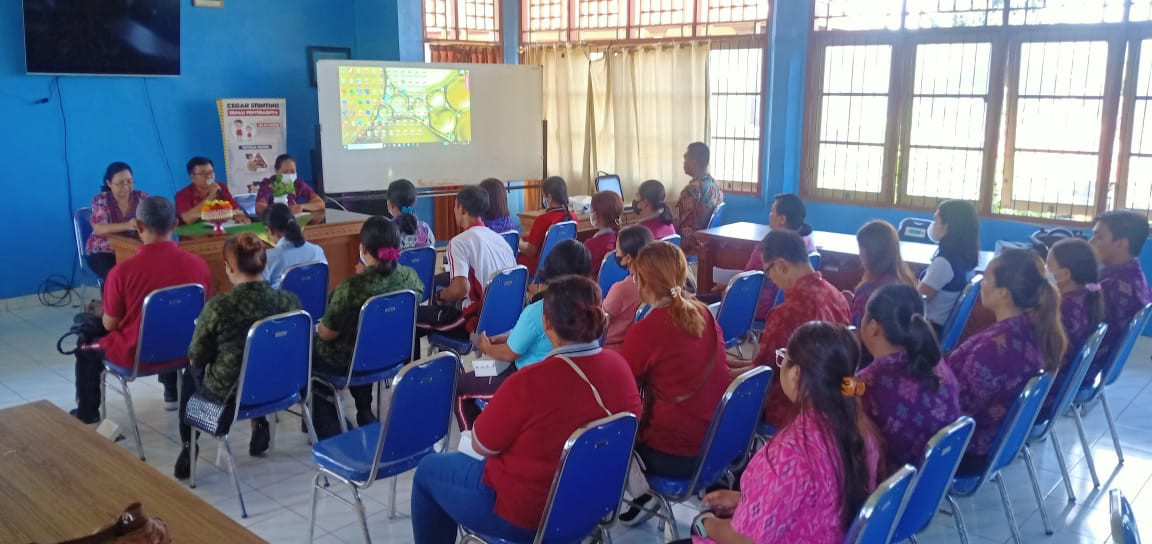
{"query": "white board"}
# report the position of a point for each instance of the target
(434, 124)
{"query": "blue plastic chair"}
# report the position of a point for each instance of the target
(1009, 443)
(611, 273)
(167, 322)
(384, 338)
(1123, 520)
(738, 308)
(877, 518)
(503, 302)
(1118, 358)
(564, 230)
(717, 216)
(1072, 375)
(309, 282)
(276, 367)
(913, 229)
(642, 312)
(727, 441)
(513, 239)
(958, 317)
(673, 239)
(82, 229)
(419, 418)
(588, 485)
(942, 457)
(423, 261)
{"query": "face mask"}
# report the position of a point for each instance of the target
(933, 234)
(1050, 277)
(288, 178)
(636, 204)
(592, 220)
(544, 203)
(619, 260)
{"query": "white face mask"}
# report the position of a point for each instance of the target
(1048, 275)
(933, 233)
(592, 220)
(288, 178)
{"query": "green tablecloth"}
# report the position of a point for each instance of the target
(204, 229)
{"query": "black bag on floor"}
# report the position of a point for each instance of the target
(86, 327)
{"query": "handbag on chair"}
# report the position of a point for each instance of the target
(208, 412)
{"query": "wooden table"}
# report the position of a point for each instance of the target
(60, 480)
(584, 228)
(336, 231)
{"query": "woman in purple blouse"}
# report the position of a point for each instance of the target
(497, 218)
(880, 254)
(113, 211)
(910, 396)
(993, 365)
(1072, 266)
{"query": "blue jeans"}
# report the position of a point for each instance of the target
(449, 490)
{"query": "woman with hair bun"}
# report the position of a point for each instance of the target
(401, 205)
(217, 349)
(290, 248)
(607, 207)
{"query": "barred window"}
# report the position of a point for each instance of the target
(734, 115)
(553, 21)
(462, 20)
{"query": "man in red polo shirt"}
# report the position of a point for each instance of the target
(202, 174)
(159, 263)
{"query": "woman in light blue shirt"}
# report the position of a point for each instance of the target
(526, 343)
(290, 247)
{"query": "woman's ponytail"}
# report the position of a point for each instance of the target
(1021, 272)
(402, 194)
(278, 217)
(1049, 328)
(898, 309)
(923, 351)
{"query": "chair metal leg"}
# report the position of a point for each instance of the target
(1063, 464)
(339, 400)
(912, 539)
(306, 411)
(103, 395)
(961, 529)
(740, 350)
(132, 417)
(1036, 489)
(360, 513)
(392, 503)
(235, 476)
(1008, 508)
(605, 535)
(1111, 425)
(193, 453)
(312, 511)
(1076, 410)
(671, 518)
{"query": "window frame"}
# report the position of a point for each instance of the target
(453, 28)
(630, 30)
(740, 187)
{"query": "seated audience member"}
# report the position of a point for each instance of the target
(290, 247)
(623, 297)
(607, 206)
(203, 187)
(523, 430)
(474, 256)
(555, 210)
(301, 199)
(216, 354)
(994, 364)
(1118, 236)
(401, 206)
(699, 199)
(526, 343)
(336, 332)
(957, 230)
(807, 297)
(677, 356)
(810, 480)
(113, 211)
(787, 213)
(158, 263)
(1072, 265)
(909, 395)
(498, 218)
(879, 245)
(652, 210)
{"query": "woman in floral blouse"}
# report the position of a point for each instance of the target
(113, 210)
(993, 365)
(1072, 263)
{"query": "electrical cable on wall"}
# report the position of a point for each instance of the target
(56, 289)
(159, 139)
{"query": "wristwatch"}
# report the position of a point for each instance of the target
(698, 524)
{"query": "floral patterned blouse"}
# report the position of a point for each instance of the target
(1125, 292)
(1078, 327)
(105, 209)
(863, 293)
(697, 202)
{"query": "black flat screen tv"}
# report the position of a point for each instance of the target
(102, 37)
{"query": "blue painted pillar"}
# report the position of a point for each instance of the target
(510, 23)
(787, 62)
(389, 30)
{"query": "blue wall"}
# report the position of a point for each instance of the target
(250, 48)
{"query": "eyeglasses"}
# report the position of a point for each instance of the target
(768, 268)
(121, 183)
(207, 174)
(782, 357)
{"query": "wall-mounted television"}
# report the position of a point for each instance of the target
(102, 37)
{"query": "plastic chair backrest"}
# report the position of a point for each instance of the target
(590, 479)
(423, 261)
(913, 229)
(1016, 425)
(717, 216)
(877, 518)
(513, 239)
(611, 273)
(309, 282)
(1073, 375)
(942, 457)
(642, 312)
(738, 308)
(420, 413)
(958, 318)
(732, 428)
(277, 364)
(82, 229)
(385, 333)
(673, 239)
(1123, 520)
(1124, 349)
(167, 323)
(564, 230)
(503, 301)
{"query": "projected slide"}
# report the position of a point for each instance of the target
(403, 107)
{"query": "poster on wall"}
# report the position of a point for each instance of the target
(255, 131)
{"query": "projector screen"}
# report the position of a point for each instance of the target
(434, 124)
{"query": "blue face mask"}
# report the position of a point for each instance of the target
(619, 260)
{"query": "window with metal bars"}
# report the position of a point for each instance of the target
(462, 21)
(557, 21)
(734, 115)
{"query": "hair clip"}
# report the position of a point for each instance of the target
(1092, 287)
(676, 291)
(852, 387)
(388, 254)
(407, 209)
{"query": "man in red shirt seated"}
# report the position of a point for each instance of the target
(203, 188)
(159, 263)
(807, 297)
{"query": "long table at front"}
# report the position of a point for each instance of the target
(336, 231)
(60, 480)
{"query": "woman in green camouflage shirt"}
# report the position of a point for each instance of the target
(336, 331)
(217, 349)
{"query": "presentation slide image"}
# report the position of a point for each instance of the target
(402, 107)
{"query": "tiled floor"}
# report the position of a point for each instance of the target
(276, 488)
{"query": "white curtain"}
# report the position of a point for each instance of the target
(566, 109)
